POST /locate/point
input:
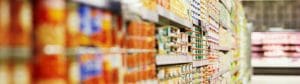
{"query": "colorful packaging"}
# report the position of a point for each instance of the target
(138, 61)
(49, 42)
(72, 44)
(20, 40)
(5, 74)
(95, 27)
(91, 65)
(4, 28)
(21, 23)
(85, 24)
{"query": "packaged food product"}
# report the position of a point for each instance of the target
(21, 40)
(91, 65)
(181, 73)
(84, 12)
(49, 42)
(72, 44)
(95, 26)
(4, 28)
(150, 4)
(5, 73)
(21, 23)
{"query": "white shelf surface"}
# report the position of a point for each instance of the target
(148, 14)
(139, 50)
(169, 59)
(200, 63)
(218, 74)
(223, 48)
(276, 62)
(96, 3)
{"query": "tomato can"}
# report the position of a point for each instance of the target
(20, 40)
(49, 42)
(5, 73)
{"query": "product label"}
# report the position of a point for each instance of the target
(73, 25)
(85, 16)
(90, 64)
(21, 74)
(4, 74)
(74, 73)
(21, 23)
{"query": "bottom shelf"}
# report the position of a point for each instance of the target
(276, 71)
(276, 62)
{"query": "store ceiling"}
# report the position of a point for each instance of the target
(265, 14)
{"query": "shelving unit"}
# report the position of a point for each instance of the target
(275, 52)
(144, 41)
(201, 63)
(219, 74)
(169, 59)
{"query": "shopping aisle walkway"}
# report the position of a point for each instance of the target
(275, 79)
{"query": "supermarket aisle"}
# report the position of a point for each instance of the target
(123, 41)
(275, 79)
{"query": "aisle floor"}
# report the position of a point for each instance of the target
(275, 79)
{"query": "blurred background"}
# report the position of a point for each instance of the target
(275, 39)
(149, 41)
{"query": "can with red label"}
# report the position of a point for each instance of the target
(20, 40)
(5, 74)
(49, 42)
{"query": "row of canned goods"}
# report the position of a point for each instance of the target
(202, 74)
(175, 74)
(60, 42)
(139, 63)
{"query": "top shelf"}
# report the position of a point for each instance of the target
(200, 63)
(96, 3)
(224, 49)
(144, 13)
(218, 74)
(171, 16)
(171, 59)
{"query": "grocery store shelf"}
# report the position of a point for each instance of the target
(241, 77)
(266, 0)
(220, 73)
(171, 59)
(200, 63)
(223, 2)
(276, 62)
(148, 15)
(260, 44)
(139, 50)
(95, 3)
(224, 49)
(276, 71)
(196, 22)
(164, 13)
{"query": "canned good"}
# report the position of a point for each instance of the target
(72, 44)
(91, 64)
(20, 40)
(49, 42)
